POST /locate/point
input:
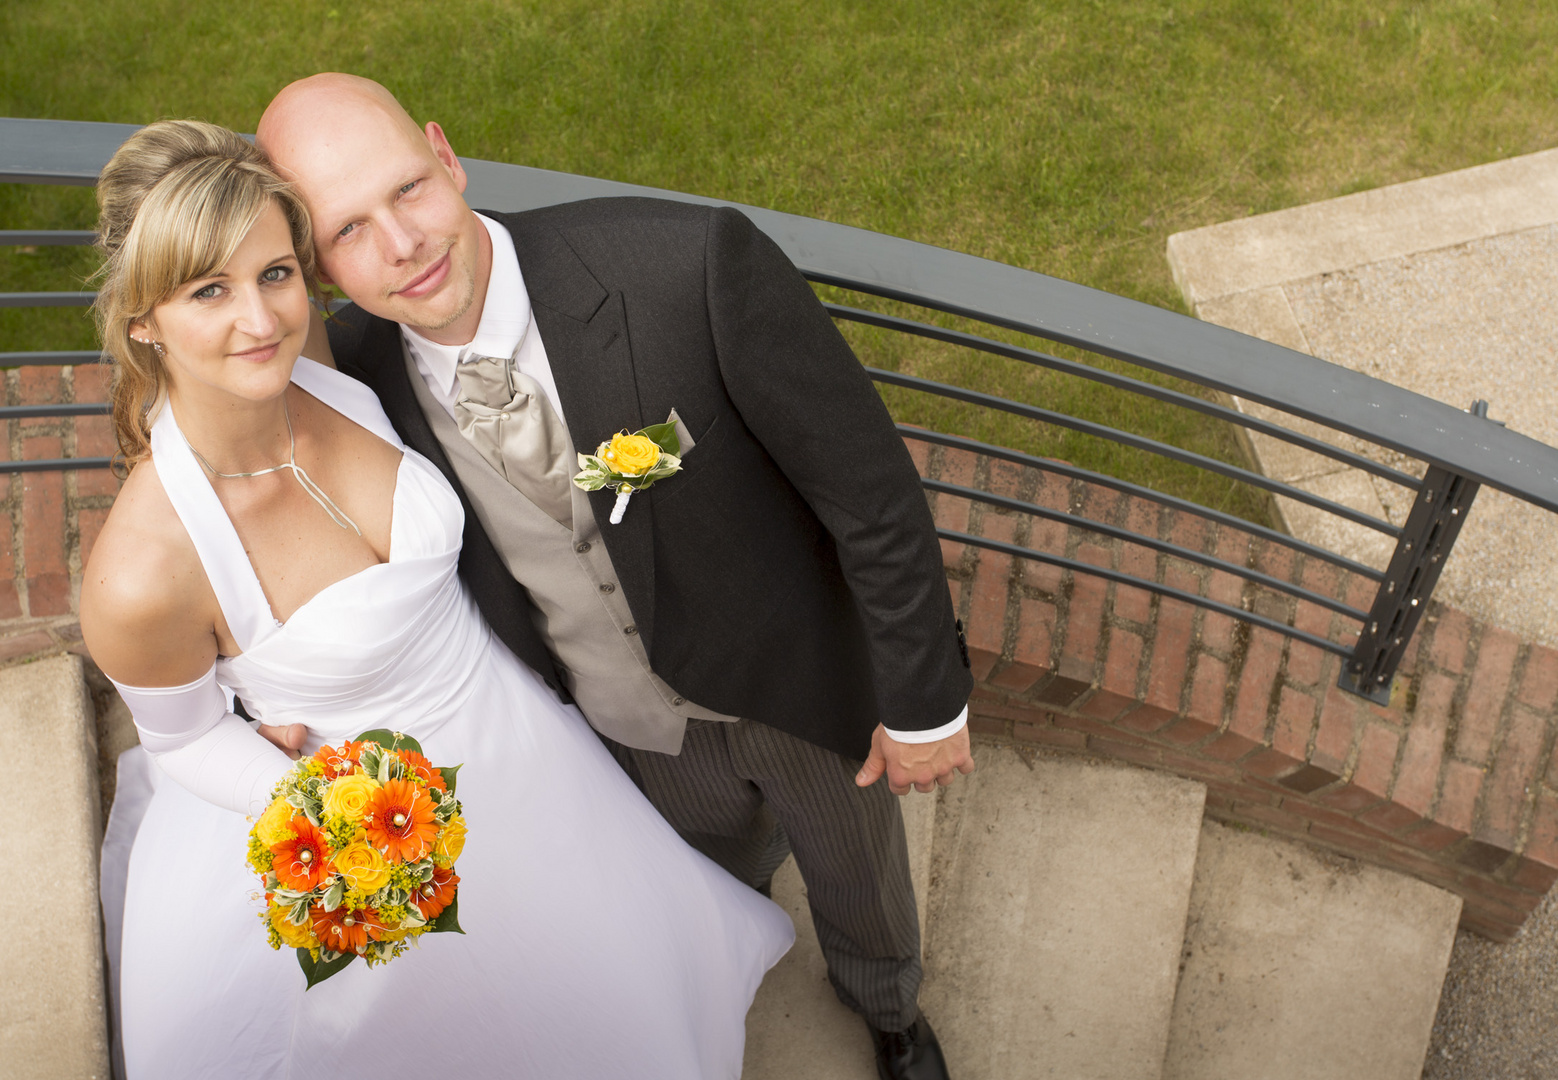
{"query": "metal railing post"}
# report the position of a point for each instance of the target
(1426, 539)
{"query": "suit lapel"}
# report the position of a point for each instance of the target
(585, 332)
(392, 382)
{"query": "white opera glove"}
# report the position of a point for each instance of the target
(207, 749)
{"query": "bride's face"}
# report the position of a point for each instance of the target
(238, 332)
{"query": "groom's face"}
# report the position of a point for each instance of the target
(391, 225)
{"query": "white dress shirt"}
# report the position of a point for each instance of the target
(507, 329)
(505, 326)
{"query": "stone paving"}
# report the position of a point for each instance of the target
(1446, 286)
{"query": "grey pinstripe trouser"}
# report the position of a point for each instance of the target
(745, 794)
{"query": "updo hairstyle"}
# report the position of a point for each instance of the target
(173, 204)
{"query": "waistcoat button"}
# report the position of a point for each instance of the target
(678, 701)
(582, 546)
(630, 629)
(608, 587)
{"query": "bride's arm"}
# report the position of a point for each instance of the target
(149, 618)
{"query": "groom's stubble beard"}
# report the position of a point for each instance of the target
(430, 313)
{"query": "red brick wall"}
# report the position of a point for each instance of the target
(1456, 782)
(48, 520)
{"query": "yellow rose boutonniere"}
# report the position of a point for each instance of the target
(630, 462)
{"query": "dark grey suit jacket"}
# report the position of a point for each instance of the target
(790, 573)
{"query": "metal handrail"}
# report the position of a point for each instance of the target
(1123, 382)
(1139, 442)
(1185, 506)
(1461, 451)
(52, 359)
(1114, 532)
(28, 412)
(46, 238)
(47, 299)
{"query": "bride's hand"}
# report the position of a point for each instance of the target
(289, 738)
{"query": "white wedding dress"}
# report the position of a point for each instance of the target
(597, 944)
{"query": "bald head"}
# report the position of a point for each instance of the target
(309, 112)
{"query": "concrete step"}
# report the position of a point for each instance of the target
(797, 1027)
(51, 966)
(1059, 891)
(1302, 966)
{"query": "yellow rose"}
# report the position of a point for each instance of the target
(450, 842)
(293, 937)
(272, 828)
(362, 866)
(348, 796)
(631, 455)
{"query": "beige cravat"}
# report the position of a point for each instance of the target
(504, 414)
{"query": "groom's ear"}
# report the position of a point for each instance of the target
(445, 154)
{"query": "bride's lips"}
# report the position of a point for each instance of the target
(258, 356)
(427, 281)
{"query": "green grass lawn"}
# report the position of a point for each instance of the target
(1066, 136)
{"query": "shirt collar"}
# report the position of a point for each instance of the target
(505, 315)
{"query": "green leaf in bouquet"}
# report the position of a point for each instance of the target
(317, 971)
(334, 895)
(664, 436)
(448, 773)
(448, 920)
(390, 740)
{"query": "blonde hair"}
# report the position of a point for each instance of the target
(174, 204)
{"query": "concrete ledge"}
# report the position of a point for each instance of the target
(1303, 967)
(1402, 219)
(52, 1019)
(1057, 913)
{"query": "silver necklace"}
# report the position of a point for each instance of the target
(305, 481)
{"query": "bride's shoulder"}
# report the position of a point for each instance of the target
(143, 576)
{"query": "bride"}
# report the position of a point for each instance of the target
(275, 540)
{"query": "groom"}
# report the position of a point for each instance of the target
(758, 623)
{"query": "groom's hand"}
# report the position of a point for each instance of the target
(918, 765)
(289, 738)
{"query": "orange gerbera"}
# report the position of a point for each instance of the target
(432, 897)
(343, 930)
(338, 760)
(303, 861)
(423, 768)
(400, 821)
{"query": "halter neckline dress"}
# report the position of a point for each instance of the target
(597, 944)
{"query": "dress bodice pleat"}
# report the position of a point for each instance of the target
(392, 645)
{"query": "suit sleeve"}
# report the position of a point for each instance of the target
(804, 395)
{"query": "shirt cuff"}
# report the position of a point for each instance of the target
(945, 731)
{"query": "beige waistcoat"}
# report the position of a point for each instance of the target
(579, 609)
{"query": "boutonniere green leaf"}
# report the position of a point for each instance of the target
(629, 462)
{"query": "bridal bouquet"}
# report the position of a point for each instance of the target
(356, 852)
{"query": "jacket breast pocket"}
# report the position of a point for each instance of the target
(697, 466)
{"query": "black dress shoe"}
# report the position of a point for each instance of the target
(910, 1054)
